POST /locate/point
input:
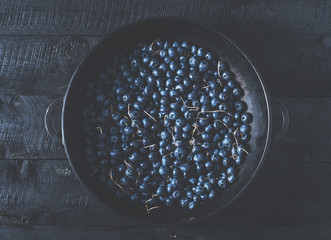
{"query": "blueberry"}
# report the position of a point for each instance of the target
(197, 149)
(193, 61)
(203, 197)
(226, 162)
(146, 122)
(125, 182)
(176, 194)
(165, 135)
(239, 159)
(221, 66)
(239, 106)
(191, 205)
(203, 66)
(209, 165)
(206, 145)
(171, 52)
(189, 194)
(135, 198)
(212, 194)
(180, 153)
(196, 198)
(179, 122)
(238, 92)
(232, 178)
(173, 92)
(114, 139)
(134, 157)
(173, 66)
(226, 120)
(188, 115)
(198, 157)
(203, 122)
(143, 72)
(128, 130)
(226, 75)
(231, 171)
(170, 83)
(223, 106)
(245, 137)
(169, 202)
(241, 150)
(222, 183)
(232, 84)
(156, 96)
(215, 158)
(161, 191)
(167, 59)
(185, 167)
(212, 93)
(135, 62)
(144, 187)
(163, 67)
(154, 63)
(163, 53)
(100, 98)
(244, 128)
(205, 136)
(186, 136)
(215, 102)
(193, 75)
(164, 171)
(201, 52)
(246, 117)
(184, 202)
(209, 56)
(180, 88)
(223, 96)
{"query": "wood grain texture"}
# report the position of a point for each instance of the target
(22, 130)
(53, 17)
(40, 64)
(290, 65)
(23, 135)
(162, 233)
(84, 233)
(47, 193)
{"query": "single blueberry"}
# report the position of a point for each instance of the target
(246, 117)
(180, 153)
(203, 66)
(222, 183)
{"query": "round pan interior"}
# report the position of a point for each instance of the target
(124, 40)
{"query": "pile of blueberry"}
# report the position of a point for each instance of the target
(166, 125)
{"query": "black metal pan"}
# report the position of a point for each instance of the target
(147, 31)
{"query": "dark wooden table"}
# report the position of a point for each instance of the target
(42, 42)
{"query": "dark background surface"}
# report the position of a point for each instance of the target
(42, 42)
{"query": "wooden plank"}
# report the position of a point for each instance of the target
(40, 65)
(162, 233)
(236, 233)
(23, 135)
(47, 193)
(83, 232)
(101, 16)
(290, 65)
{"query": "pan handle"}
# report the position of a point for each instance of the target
(280, 118)
(48, 119)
